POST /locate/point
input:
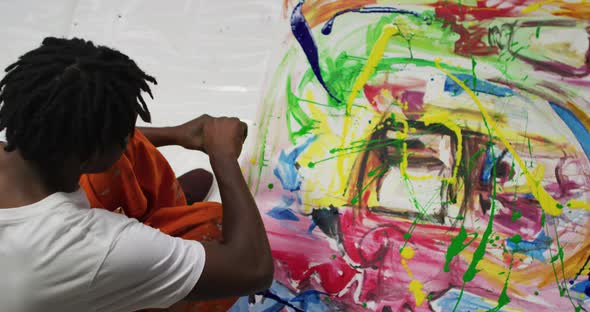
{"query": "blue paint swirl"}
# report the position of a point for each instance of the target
(283, 213)
(535, 249)
(302, 33)
(287, 168)
(480, 86)
(304, 36)
(327, 29)
(576, 126)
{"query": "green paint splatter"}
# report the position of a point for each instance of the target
(333, 257)
(538, 31)
(563, 290)
(459, 297)
(516, 215)
(384, 170)
(481, 249)
(457, 246)
(410, 231)
(473, 158)
(270, 186)
(503, 299)
(295, 111)
(358, 147)
(516, 239)
(536, 293)
(364, 305)
(559, 206)
(407, 236)
(311, 164)
(512, 172)
(560, 254)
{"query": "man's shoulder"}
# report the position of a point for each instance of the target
(104, 221)
(75, 209)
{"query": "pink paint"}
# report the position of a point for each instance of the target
(407, 91)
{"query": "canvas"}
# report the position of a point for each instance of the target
(427, 156)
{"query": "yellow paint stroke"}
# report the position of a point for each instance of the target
(575, 9)
(375, 57)
(403, 166)
(579, 113)
(578, 204)
(535, 6)
(445, 120)
(319, 150)
(415, 286)
(407, 253)
(442, 119)
(547, 202)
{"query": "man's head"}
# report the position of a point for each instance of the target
(70, 100)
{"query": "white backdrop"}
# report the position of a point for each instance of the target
(208, 56)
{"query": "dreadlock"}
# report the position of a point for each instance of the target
(70, 97)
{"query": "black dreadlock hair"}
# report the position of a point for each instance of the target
(70, 97)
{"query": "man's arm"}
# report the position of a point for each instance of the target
(162, 136)
(242, 264)
(188, 135)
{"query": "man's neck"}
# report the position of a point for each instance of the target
(22, 184)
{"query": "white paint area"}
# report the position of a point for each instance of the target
(208, 56)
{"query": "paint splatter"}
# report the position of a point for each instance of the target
(436, 148)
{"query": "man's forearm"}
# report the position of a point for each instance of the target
(161, 136)
(242, 224)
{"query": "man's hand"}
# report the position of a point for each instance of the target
(218, 132)
(224, 137)
(190, 134)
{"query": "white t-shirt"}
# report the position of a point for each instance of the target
(60, 255)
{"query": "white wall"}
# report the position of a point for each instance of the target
(208, 56)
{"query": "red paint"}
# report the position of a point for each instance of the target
(406, 91)
(473, 39)
(482, 11)
(366, 197)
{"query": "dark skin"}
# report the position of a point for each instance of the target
(244, 237)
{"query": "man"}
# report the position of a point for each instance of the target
(68, 111)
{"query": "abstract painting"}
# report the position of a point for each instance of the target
(427, 156)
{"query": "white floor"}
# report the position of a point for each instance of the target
(208, 56)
